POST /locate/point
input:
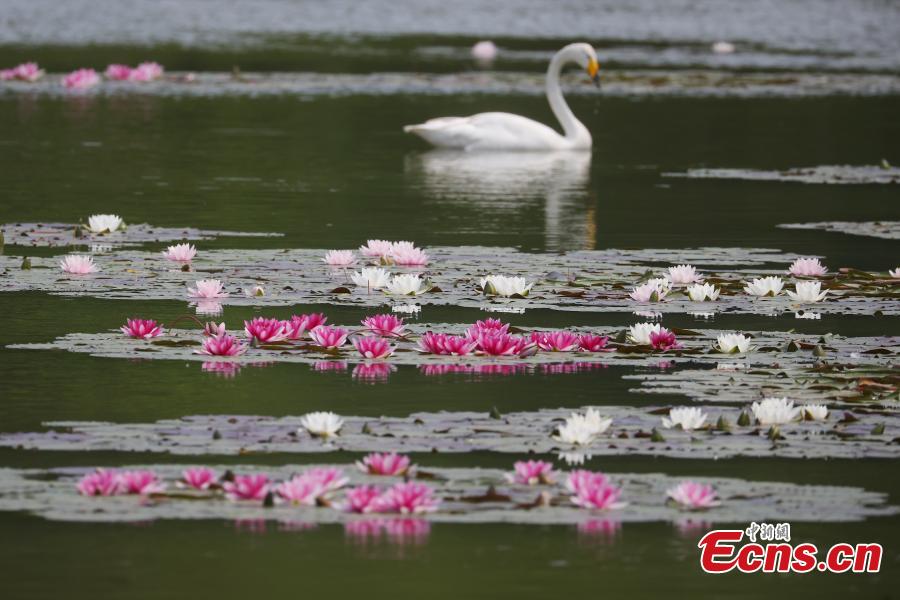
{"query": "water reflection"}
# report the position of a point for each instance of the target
(398, 531)
(505, 189)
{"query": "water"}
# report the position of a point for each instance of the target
(330, 171)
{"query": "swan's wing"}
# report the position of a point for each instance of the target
(492, 130)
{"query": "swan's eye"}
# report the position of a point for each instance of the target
(593, 66)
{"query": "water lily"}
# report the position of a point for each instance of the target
(406, 254)
(247, 487)
(406, 285)
(372, 278)
(895, 274)
(651, 291)
(322, 424)
(211, 329)
(687, 418)
(141, 328)
(264, 330)
(300, 490)
(256, 291)
(140, 482)
(146, 71)
(693, 496)
(104, 223)
(555, 341)
(494, 325)
(684, 274)
(664, 340)
(702, 292)
(299, 324)
(765, 286)
(339, 258)
(377, 249)
(199, 478)
(29, 72)
(407, 498)
(116, 72)
(774, 411)
(732, 343)
(183, 253)
(207, 288)
(329, 337)
(597, 493)
(532, 472)
(590, 342)
(807, 292)
(360, 499)
(81, 79)
(371, 346)
(640, 332)
(501, 285)
(378, 463)
(102, 482)
(807, 267)
(815, 412)
(443, 344)
(386, 325)
(501, 344)
(75, 264)
(580, 479)
(581, 429)
(222, 345)
(329, 478)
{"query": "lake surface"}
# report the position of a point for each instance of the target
(330, 170)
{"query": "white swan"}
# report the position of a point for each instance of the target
(506, 131)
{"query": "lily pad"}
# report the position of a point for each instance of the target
(827, 174)
(888, 230)
(70, 234)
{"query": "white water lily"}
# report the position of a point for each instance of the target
(640, 333)
(256, 290)
(815, 412)
(501, 285)
(774, 411)
(700, 292)
(581, 429)
(686, 417)
(807, 292)
(104, 223)
(372, 278)
(732, 343)
(322, 424)
(895, 273)
(652, 291)
(684, 274)
(594, 421)
(765, 286)
(406, 285)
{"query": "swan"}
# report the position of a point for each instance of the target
(506, 131)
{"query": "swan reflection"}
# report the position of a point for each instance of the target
(510, 191)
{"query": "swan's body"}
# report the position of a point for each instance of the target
(506, 131)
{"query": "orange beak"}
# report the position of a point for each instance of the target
(593, 70)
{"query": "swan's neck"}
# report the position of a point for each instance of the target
(574, 131)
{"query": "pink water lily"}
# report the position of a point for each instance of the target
(406, 254)
(501, 344)
(378, 463)
(207, 288)
(370, 346)
(199, 478)
(807, 267)
(300, 490)
(386, 325)
(183, 253)
(590, 342)
(329, 337)
(102, 482)
(116, 72)
(693, 496)
(443, 344)
(532, 472)
(339, 258)
(330, 478)
(211, 329)
(141, 328)
(360, 499)
(81, 79)
(299, 324)
(222, 345)
(247, 487)
(29, 72)
(75, 264)
(264, 330)
(582, 479)
(407, 498)
(141, 482)
(597, 496)
(487, 325)
(555, 341)
(664, 340)
(377, 249)
(146, 71)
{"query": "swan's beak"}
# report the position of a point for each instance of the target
(593, 70)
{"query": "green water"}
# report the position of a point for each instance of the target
(332, 172)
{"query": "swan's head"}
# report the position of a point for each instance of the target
(586, 57)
